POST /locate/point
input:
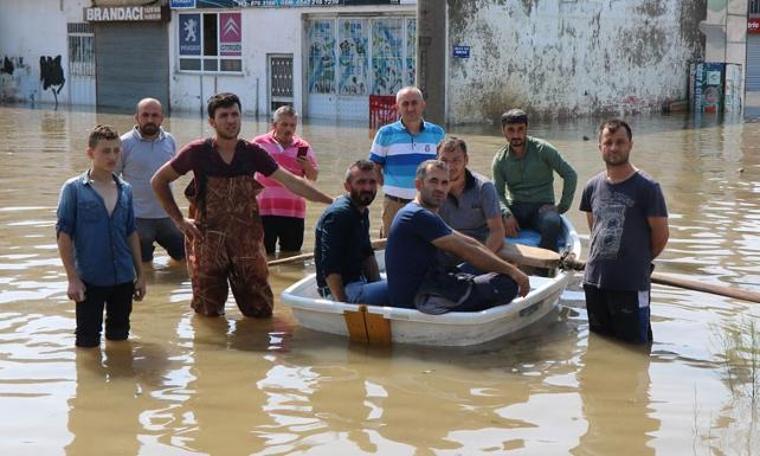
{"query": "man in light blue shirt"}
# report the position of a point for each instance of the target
(399, 148)
(145, 149)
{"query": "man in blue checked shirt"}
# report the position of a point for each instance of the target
(399, 148)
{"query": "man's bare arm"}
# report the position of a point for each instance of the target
(134, 247)
(370, 269)
(495, 239)
(660, 232)
(337, 289)
(480, 257)
(590, 221)
(160, 183)
(300, 186)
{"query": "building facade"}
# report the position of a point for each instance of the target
(556, 58)
(323, 57)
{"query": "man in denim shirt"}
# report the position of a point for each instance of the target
(98, 243)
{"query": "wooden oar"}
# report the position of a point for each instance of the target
(672, 281)
(376, 244)
(543, 258)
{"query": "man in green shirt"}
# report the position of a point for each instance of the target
(523, 172)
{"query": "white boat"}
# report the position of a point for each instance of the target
(409, 326)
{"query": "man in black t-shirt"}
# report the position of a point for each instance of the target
(628, 221)
(223, 233)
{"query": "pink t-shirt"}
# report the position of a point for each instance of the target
(276, 199)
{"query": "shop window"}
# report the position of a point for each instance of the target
(210, 42)
(360, 57)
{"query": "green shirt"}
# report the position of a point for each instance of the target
(530, 179)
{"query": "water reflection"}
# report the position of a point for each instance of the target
(113, 381)
(188, 385)
(620, 390)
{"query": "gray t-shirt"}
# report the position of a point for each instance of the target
(469, 212)
(621, 254)
(140, 159)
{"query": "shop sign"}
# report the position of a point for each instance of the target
(125, 14)
(190, 34)
(230, 37)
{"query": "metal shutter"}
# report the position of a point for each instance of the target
(132, 62)
(753, 63)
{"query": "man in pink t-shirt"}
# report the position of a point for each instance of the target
(283, 213)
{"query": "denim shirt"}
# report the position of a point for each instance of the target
(101, 248)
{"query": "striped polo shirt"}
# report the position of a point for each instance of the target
(400, 152)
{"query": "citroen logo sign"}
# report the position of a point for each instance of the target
(230, 27)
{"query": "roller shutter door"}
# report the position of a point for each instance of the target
(132, 62)
(753, 63)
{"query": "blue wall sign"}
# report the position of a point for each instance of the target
(462, 52)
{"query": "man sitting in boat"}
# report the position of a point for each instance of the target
(472, 205)
(416, 276)
(346, 267)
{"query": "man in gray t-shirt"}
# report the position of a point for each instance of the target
(144, 149)
(628, 219)
(472, 205)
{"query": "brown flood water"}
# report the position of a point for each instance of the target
(188, 385)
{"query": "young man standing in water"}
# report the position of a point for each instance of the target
(628, 220)
(98, 243)
(144, 149)
(224, 233)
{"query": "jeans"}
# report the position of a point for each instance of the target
(165, 233)
(548, 223)
(117, 301)
(372, 293)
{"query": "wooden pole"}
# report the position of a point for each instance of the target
(431, 57)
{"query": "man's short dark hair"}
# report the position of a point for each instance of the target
(451, 143)
(612, 125)
(514, 116)
(100, 132)
(422, 170)
(222, 100)
(361, 165)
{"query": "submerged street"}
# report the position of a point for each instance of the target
(190, 385)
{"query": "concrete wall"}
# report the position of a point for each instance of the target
(562, 58)
(29, 30)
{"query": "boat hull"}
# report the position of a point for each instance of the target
(409, 326)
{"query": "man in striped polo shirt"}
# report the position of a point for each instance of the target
(399, 148)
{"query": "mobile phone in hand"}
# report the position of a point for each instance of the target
(302, 151)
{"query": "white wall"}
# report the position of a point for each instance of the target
(561, 59)
(30, 29)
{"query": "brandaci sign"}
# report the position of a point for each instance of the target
(125, 14)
